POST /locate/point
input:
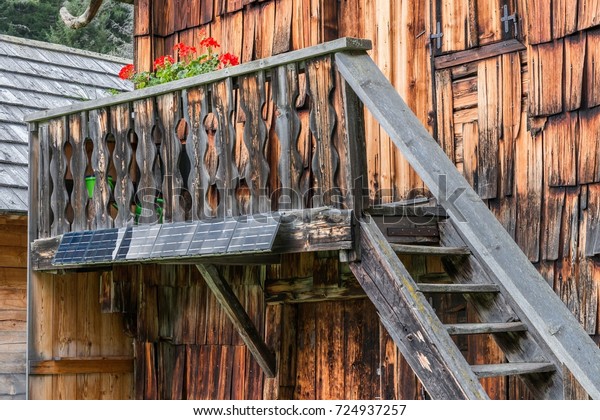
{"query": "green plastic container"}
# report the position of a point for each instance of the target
(159, 210)
(90, 183)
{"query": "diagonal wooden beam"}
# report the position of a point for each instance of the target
(240, 319)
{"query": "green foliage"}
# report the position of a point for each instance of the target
(109, 33)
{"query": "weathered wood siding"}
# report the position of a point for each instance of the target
(13, 306)
(186, 347)
(76, 351)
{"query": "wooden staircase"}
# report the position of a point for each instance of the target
(412, 321)
(541, 340)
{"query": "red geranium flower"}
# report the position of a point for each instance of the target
(228, 59)
(127, 72)
(162, 61)
(209, 42)
(184, 50)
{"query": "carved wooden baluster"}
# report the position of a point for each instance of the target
(44, 178)
(98, 128)
(120, 127)
(196, 104)
(287, 127)
(58, 168)
(256, 172)
(79, 197)
(322, 126)
(227, 174)
(169, 114)
(145, 156)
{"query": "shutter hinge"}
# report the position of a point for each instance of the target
(437, 36)
(506, 19)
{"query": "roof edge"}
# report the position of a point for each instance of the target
(63, 49)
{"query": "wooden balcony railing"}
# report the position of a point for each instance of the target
(264, 136)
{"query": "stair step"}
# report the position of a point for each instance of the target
(430, 250)
(458, 288)
(485, 328)
(509, 369)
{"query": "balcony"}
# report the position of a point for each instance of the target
(279, 137)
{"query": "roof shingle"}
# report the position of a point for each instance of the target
(36, 76)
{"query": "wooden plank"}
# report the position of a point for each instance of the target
(206, 12)
(529, 184)
(546, 78)
(511, 91)
(13, 320)
(588, 14)
(99, 130)
(507, 369)
(575, 50)
(287, 128)
(429, 250)
(485, 328)
(169, 115)
(394, 293)
(240, 319)
(445, 115)
(592, 72)
(489, 89)
(13, 298)
(325, 160)
(460, 58)
(227, 176)
(588, 157)
(58, 168)
(458, 288)
(329, 345)
(564, 18)
(526, 290)
(65, 366)
(560, 151)
(145, 158)
(79, 162)
(196, 104)
(121, 125)
(552, 223)
(256, 171)
(283, 26)
(539, 21)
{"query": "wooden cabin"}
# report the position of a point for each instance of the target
(427, 202)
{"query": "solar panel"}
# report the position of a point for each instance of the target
(253, 234)
(72, 248)
(212, 237)
(142, 241)
(185, 239)
(173, 240)
(102, 246)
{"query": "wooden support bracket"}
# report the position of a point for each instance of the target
(240, 319)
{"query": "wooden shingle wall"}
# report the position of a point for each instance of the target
(563, 107)
(523, 126)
